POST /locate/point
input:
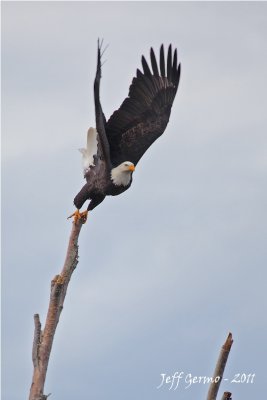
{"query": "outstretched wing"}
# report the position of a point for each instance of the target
(103, 150)
(144, 114)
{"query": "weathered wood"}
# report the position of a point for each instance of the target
(219, 369)
(227, 396)
(43, 339)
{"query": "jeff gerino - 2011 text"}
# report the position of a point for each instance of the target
(173, 381)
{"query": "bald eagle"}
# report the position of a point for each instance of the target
(115, 146)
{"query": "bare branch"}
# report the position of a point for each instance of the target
(36, 340)
(43, 340)
(219, 370)
(227, 396)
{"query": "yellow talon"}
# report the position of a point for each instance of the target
(77, 215)
(83, 216)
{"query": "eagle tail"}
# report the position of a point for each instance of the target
(92, 141)
(91, 149)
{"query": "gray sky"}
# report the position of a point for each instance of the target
(171, 266)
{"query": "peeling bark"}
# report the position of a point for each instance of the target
(43, 339)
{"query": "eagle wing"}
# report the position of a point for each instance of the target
(103, 149)
(144, 114)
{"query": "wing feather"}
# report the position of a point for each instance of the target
(146, 69)
(174, 64)
(103, 148)
(162, 61)
(144, 114)
(154, 63)
(169, 63)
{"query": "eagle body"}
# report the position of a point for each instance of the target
(102, 182)
(115, 146)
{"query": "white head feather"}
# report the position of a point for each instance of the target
(121, 175)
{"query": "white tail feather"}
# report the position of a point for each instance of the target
(90, 151)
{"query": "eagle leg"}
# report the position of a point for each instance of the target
(79, 216)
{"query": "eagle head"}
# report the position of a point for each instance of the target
(122, 174)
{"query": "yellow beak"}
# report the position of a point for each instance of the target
(131, 167)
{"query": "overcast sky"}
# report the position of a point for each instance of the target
(167, 269)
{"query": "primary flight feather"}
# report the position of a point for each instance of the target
(115, 146)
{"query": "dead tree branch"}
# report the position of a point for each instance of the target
(227, 396)
(43, 339)
(219, 369)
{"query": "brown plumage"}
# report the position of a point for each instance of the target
(144, 114)
(130, 131)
